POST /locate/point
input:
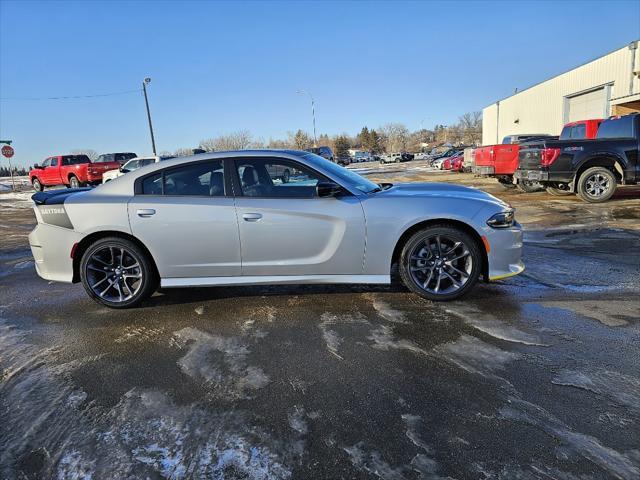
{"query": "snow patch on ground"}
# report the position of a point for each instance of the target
(495, 328)
(620, 388)
(475, 356)
(384, 339)
(385, 311)
(613, 462)
(219, 362)
(330, 336)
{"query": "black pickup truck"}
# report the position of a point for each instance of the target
(591, 168)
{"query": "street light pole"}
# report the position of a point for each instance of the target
(145, 82)
(313, 114)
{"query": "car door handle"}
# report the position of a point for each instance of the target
(251, 217)
(146, 212)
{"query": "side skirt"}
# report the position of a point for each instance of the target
(272, 280)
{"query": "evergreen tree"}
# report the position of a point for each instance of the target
(342, 145)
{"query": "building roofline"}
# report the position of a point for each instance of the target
(566, 71)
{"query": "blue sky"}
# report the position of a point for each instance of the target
(217, 67)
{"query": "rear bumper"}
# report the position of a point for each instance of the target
(533, 175)
(51, 248)
(483, 170)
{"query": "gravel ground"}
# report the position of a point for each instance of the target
(535, 377)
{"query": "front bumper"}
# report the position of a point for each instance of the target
(483, 170)
(532, 175)
(51, 248)
(505, 252)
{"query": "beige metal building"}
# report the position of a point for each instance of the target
(609, 85)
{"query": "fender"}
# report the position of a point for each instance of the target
(601, 158)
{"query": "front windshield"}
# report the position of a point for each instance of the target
(345, 175)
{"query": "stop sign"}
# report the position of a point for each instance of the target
(7, 151)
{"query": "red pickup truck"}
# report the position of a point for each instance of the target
(71, 170)
(501, 161)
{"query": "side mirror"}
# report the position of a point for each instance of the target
(328, 189)
(38, 166)
(123, 170)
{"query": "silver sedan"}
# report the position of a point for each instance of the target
(232, 218)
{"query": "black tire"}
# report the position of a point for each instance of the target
(596, 185)
(148, 280)
(451, 234)
(74, 182)
(558, 192)
(527, 186)
(286, 176)
(37, 186)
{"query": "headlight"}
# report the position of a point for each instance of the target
(504, 219)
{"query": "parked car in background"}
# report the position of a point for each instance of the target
(343, 160)
(443, 155)
(421, 156)
(130, 166)
(457, 165)
(501, 161)
(392, 158)
(591, 168)
(407, 157)
(126, 239)
(324, 152)
(71, 170)
(121, 158)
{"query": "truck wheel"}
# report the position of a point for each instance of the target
(596, 184)
(506, 183)
(528, 186)
(117, 273)
(74, 182)
(37, 186)
(440, 262)
(558, 192)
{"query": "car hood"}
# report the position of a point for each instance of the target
(440, 190)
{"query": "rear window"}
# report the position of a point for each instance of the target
(621, 127)
(75, 159)
(123, 157)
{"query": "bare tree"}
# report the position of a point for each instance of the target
(299, 140)
(396, 137)
(470, 125)
(240, 140)
(92, 154)
(182, 152)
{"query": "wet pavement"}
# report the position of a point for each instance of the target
(536, 377)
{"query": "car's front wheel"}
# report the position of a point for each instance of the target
(117, 273)
(440, 262)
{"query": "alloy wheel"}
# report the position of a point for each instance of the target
(440, 264)
(597, 185)
(114, 274)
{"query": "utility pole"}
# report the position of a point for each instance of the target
(313, 114)
(145, 82)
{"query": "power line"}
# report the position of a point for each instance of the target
(73, 96)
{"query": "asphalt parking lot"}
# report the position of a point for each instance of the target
(536, 377)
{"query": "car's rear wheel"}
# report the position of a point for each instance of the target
(596, 184)
(37, 186)
(74, 182)
(117, 273)
(440, 263)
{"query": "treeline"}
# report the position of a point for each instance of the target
(392, 137)
(17, 171)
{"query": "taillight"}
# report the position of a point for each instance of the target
(548, 156)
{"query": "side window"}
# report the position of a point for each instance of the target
(579, 131)
(276, 178)
(54, 161)
(46, 163)
(566, 133)
(132, 165)
(152, 185)
(621, 127)
(200, 178)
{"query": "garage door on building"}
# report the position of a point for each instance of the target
(592, 104)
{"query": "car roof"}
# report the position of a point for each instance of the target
(124, 184)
